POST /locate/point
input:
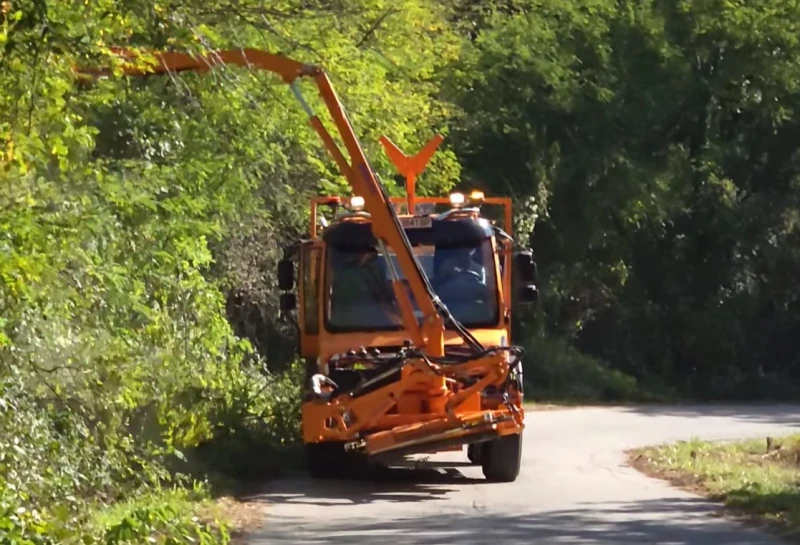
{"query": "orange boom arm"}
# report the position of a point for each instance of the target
(385, 223)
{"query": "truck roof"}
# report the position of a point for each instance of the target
(440, 231)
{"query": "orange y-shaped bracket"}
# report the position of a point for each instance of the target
(411, 166)
(385, 225)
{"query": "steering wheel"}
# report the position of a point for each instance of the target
(467, 282)
(453, 273)
(469, 273)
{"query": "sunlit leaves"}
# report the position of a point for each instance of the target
(130, 207)
(654, 136)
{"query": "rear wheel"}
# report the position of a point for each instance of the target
(329, 460)
(474, 452)
(502, 458)
(324, 460)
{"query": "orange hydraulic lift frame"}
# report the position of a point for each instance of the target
(344, 418)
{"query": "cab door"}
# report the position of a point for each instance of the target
(309, 286)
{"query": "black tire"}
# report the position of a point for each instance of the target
(329, 460)
(325, 460)
(502, 459)
(474, 453)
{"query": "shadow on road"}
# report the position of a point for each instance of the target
(772, 414)
(380, 484)
(673, 522)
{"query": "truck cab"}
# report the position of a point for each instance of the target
(344, 296)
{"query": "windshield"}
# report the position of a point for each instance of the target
(361, 295)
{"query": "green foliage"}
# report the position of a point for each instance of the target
(648, 148)
(166, 517)
(651, 144)
(160, 525)
(554, 370)
(140, 221)
(756, 477)
(258, 430)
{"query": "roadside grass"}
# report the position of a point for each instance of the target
(758, 481)
(173, 515)
(177, 515)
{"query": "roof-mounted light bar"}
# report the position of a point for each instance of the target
(459, 200)
(356, 203)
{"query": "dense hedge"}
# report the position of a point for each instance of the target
(140, 220)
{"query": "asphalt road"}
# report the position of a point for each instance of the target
(574, 489)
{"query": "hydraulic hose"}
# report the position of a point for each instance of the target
(444, 312)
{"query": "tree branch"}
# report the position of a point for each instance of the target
(375, 26)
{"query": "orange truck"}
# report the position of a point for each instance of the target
(403, 305)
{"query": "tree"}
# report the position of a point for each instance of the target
(653, 138)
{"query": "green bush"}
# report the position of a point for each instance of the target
(258, 431)
(556, 371)
(162, 525)
(58, 468)
(167, 517)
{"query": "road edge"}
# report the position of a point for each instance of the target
(637, 461)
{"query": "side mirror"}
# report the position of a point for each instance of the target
(288, 303)
(285, 275)
(528, 294)
(525, 267)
